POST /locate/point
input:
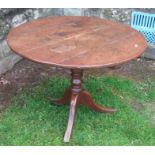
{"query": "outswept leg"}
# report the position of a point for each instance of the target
(72, 112)
(86, 99)
(65, 99)
(75, 95)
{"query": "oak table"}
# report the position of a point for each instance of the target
(77, 43)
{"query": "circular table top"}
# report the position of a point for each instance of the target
(76, 42)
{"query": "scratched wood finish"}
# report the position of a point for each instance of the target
(76, 42)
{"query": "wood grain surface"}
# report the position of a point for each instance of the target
(76, 42)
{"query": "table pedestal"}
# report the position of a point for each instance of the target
(75, 96)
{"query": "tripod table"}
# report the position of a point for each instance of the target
(77, 43)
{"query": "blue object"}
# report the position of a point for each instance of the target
(144, 23)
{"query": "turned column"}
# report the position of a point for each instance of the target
(76, 81)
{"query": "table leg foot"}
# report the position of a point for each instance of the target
(65, 99)
(86, 99)
(72, 111)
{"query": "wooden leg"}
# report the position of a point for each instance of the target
(65, 99)
(86, 99)
(76, 95)
(72, 111)
(76, 89)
